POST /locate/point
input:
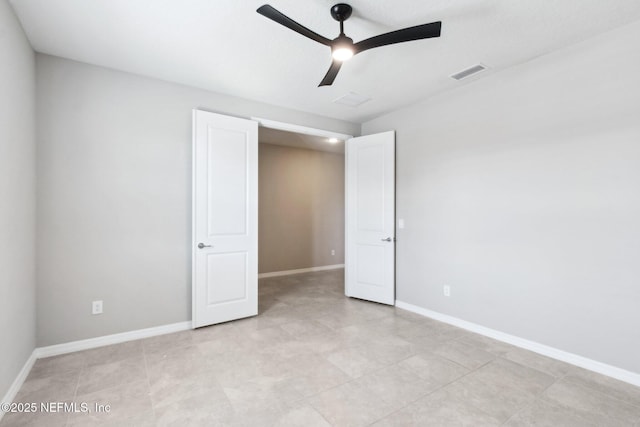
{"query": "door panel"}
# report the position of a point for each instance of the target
(370, 188)
(370, 260)
(227, 182)
(225, 218)
(232, 267)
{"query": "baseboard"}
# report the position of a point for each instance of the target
(70, 347)
(554, 353)
(17, 383)
(300, 270)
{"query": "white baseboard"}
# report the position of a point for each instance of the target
(70, 347)
(554, 353)
(300, 270)
(17, 383)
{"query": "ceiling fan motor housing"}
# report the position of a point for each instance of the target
(341, 11)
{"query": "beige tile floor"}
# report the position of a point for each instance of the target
(315, 358)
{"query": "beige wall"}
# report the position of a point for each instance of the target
(301, 208)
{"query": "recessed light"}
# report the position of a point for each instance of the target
(334, 140)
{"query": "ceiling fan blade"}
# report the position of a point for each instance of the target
(331, 74)
(418, 32)
(273, 14)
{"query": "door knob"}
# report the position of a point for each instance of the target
(202, 246)
(388, 239)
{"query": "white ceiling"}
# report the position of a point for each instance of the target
(298, 140)
(225, 46)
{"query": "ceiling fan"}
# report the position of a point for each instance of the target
(343, 47)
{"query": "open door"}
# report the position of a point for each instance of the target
(370, 253)
(225, 218)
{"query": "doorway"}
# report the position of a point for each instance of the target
(301, 203)
(225, 212)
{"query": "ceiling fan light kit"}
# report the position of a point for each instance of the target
(342, 50)
(343, 47)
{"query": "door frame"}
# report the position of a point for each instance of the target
(273, 124)
(306, 130)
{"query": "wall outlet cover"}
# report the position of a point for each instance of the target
(96, 307)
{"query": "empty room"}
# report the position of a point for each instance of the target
(409, 213)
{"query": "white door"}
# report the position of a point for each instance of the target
(225, 218)
(370, 258)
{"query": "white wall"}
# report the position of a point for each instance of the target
(17, 198)
(114, 196)
(522, 192)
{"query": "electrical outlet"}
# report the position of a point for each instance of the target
(96, 307)
(446, 290)
(333, 251)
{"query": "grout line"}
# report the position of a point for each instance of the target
(319, 413)
(576, 413)
(518, 411)
(146, 368)
(75, 391)
(600, 392)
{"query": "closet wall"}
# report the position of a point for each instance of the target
(301, 208)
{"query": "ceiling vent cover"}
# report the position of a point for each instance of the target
(468, 72)
(352, 99)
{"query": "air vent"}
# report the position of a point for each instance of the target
(468, 72)
(352, 99)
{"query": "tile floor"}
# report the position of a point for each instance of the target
(315, 358)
